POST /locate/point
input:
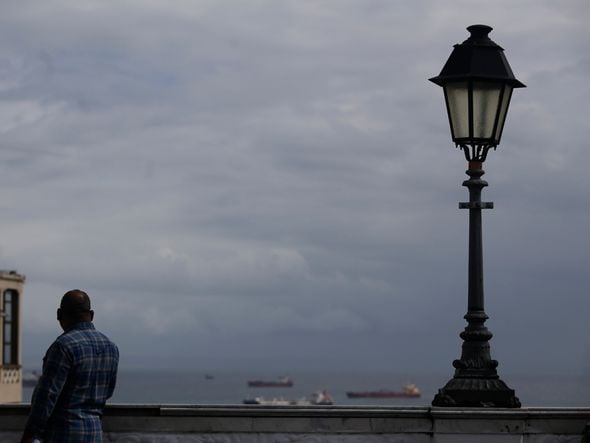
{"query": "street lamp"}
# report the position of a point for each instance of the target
(478, 84)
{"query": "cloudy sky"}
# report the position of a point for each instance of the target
(272, 184)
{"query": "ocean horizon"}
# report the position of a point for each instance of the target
(231, 387)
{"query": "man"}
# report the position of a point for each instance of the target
(79, 375)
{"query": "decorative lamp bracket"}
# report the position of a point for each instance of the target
(476, 205)
(476, 152)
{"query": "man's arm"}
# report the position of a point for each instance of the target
(113, 380)
(56, 366)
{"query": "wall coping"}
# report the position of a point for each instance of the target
(230, 419)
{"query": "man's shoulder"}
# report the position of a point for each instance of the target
(83, 334)
(76, 343)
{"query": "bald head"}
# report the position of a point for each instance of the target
(74, 308)
(75, 301)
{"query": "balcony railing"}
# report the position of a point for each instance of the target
(10, 374)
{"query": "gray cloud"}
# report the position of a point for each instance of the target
(282, 173)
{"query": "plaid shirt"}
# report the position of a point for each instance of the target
(79, 375)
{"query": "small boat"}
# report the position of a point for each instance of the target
(283, 382)
(267, 402)
(209, 377)
(320, 398)
(409, 391)
(30, 379)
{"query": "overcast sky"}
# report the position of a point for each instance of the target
(272, 184)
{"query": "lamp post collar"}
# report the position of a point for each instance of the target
(475, 165)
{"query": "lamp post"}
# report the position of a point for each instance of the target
(478, 84)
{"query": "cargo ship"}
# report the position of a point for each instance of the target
(409, 391)
(283, 382)
(320, 398)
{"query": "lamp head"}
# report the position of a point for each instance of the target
(478, 83)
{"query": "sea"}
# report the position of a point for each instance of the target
(231, 387)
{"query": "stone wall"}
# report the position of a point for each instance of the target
(257, 424)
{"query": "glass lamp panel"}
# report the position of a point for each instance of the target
(457, 97)
(503, 111)
(486, 101)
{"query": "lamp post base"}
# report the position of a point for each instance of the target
(476, 382)
(476, 392)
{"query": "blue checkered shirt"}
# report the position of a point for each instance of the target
(79, 375)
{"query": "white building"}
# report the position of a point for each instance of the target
(11, 289)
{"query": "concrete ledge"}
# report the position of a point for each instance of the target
(259, 424)
(259, 419)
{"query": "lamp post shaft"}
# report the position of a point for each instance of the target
(476, 382)
(475, 184)
(475, 359)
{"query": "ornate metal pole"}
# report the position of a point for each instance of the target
(476, 381)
